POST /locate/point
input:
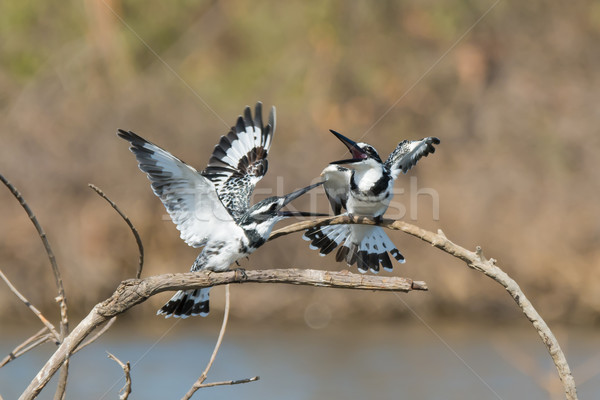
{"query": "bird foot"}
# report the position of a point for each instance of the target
(242, 273)
(378, 219)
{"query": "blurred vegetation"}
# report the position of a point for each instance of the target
(515, 102)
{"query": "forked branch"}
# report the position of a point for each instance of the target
(135, 291)
(199, 384)
(125, 390)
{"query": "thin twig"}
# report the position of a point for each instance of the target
(125, 390)
(202, 377)
(140, 263)
(57, 277)
(224, 383)
(33, 308)
(62, 297)
(97, 335)
(42, 336)
(61, 388)
(198, 384)
(138, 240)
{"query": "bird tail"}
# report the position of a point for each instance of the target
(363, 245)
(186, 303)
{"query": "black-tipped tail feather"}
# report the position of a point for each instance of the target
(366, 246)
(187, 303)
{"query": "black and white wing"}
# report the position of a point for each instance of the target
(239, 161)
(190, 199)
(337, 185)
(408, 153)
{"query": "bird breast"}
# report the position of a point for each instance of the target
(219, 254)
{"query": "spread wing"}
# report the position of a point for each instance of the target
(408, 153)
(337, 185)
(190, 199)
(239, 161)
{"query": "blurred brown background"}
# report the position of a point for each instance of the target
(515, 103)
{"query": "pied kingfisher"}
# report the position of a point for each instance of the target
(212, 208)
(365, 190)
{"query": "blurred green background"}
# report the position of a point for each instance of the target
(515, 103)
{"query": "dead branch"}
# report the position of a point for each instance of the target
(33, 308)
(474, 260)
(125, 390)
(224, 383)
(42, 336)
(57, 277)
(138, 240)
(62, 297)
(200, 381)
(134, 231)
(135, 291)
(198, 384)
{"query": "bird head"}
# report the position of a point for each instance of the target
(363, 155)
(266, 213)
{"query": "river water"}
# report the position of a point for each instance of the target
(400, 361)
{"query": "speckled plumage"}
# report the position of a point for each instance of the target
(364, 189)
(212, 209)
(239, 161)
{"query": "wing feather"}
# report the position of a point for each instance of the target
(408, 152)
(190, 199)
(239, 161)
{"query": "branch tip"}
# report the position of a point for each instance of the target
(479, 253)
(125, 390)
(125, 218)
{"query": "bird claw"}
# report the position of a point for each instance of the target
(242, 272)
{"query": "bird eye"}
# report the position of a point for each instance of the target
(273, 207)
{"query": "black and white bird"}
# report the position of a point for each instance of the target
(212, 208)
(364, 189)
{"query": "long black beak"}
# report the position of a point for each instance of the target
(358, 154)
(301, 214)
(294, 195)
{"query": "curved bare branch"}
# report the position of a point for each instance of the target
(62, 297)
(134, 231)
(474, 260)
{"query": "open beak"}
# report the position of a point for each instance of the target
(294, 195)
(357, 153)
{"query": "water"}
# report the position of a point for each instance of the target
(374, 362)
